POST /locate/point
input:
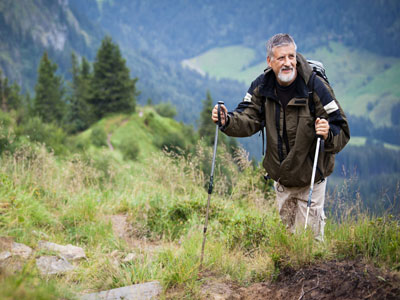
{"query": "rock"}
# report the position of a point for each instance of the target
(144, 291)
(4, 255)
(51, 265)
(69, 251)
(13, 255)
(22, 250)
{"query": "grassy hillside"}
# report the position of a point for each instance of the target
(160, 198)
(365, 83)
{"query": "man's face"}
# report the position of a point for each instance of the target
(283, 63)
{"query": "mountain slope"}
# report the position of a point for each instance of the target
(180, 29)
(27, 29)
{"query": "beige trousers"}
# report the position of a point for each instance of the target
(292, 207)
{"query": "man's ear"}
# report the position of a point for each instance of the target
(269, 61)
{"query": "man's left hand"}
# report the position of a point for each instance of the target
(322, 128)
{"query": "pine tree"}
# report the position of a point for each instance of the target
(4, 92)
(80, 114)
(113, 89)
(206, 125)
(48, 102)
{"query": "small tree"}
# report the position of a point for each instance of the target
(10, 95)
(206, 125)
(112, 88)
(80, 115)
(48, 103)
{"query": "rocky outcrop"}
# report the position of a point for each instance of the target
(69, 252)
(53, 265)
(143, 291)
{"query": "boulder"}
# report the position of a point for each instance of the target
(143, 291)
(4, 255)
(70, 252)
(22, 250)
(53, 265)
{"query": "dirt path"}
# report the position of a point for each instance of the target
(333, 280)
(109, 135)
(123, 229)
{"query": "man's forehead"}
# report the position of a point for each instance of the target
(286, 48)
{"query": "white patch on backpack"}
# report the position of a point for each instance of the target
(247, 98)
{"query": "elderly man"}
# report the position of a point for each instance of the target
(295, 106)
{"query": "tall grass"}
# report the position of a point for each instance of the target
(69, 200)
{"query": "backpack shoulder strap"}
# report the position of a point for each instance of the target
(311, 104)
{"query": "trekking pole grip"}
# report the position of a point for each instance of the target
(219, 113)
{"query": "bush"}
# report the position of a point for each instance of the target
(6, 132)
(98, 137)
(172, 142)
(166, 109)
(47, 133)
(130, 149)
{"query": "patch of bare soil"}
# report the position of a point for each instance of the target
(124, 230)
(346, 280)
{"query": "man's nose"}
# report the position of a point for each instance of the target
(286, 61)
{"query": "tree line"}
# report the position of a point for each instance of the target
(60, 108)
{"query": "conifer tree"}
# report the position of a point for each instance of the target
(48, 102)
(4, 91)
(206, 126)
(112, 88)
(80, 114)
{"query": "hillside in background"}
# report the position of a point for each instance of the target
(180, 29)
(28, 28)
(156, 36)
(366, 84)
(356, 40)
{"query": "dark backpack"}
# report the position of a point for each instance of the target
(318, 70)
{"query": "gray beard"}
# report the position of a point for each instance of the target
(286, 78)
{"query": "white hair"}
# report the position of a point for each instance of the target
(278, 40)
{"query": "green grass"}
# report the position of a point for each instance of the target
(361, 141)
(228, 62)
(70, 199)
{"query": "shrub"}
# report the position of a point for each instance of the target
(98, 137)
(47, 133)
(130, 149)
(172, 142)
(166, 109)
(6, 132)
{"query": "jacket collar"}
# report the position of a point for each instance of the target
(304, 72)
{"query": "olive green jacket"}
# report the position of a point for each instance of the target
(289, 157)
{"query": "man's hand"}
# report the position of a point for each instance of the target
(223, 113)
(322, 128)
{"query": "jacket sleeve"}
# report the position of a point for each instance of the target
(329, 108)
(246, 119)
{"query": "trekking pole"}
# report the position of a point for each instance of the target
(312, 178)
(210, 186)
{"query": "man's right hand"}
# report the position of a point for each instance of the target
(223, 114)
